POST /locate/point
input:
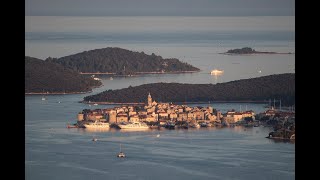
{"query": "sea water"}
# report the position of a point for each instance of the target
(54, 152)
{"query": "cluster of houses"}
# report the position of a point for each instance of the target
(272, 116)
(161, 112)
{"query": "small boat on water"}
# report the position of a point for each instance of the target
(134, 125)
(97, 125)
(95, 78)
(121, 154)
(94, 139)
(216, 72)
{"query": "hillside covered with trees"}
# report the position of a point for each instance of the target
(42, 76)
(281, 86)
(121, 62)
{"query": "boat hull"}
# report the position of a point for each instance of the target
(97, 126)
(135, 125)
(128, 127)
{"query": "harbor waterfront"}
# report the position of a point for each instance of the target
(194, 153)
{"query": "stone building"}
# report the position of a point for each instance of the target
(112, 116)
(122, 117)
(149, 100)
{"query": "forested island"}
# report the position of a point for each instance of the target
(121, 62)
(48, 77)
(281, 86)
(248, 50)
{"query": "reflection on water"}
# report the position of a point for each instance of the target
(95, 130)
(283, 141)
(134, 130)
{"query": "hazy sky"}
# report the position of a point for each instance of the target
(160, 7)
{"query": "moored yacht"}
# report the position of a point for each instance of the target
(134, 125)
(97, 125)
(204, 124)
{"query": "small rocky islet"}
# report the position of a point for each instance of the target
(248, 51)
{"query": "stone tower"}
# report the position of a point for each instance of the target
(112, 116)
(80, 116)
(219, 115)
(149, 100)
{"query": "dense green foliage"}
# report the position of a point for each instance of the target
(245, 50)
(280, 86)
(120, 61)
(42, 76)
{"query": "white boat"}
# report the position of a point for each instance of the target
(43, 95)
(121, 154)
(216, 72)
(134, 125)
(97, 125)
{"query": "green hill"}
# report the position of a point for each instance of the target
(280, 86)
(42, 76)
(121, 62)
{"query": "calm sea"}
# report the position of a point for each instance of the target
(55, 152)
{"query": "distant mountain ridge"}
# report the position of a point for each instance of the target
(42, 76)
(281, 86)
(121, 61)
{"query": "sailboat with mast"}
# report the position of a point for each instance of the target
(43, 97)
(121, 154)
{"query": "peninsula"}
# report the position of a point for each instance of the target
(42, 77)
(156, 115)
(117, 61)
(261, 89)
(248, 50)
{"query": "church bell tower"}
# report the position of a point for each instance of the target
(149, 100)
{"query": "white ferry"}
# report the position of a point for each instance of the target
(97, 125)
(134, 125)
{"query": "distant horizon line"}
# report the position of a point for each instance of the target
(160, 15)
